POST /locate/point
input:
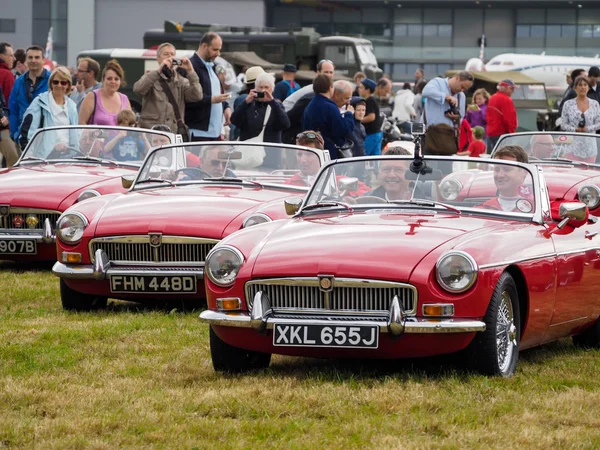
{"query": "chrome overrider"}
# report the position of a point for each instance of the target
(397, 323)
(46, 235)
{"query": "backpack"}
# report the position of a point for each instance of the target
(291, 89)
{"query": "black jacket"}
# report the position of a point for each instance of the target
(249, 118)
(3, 108)
(295, 115)
(197, 115)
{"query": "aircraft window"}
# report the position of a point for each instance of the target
(508, 63)
(495, 63)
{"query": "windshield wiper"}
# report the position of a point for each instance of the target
(565, 160)
(35, 158)
(419, 202)
(92, 158)
(328, 204)
(154, 180)
(233, 179)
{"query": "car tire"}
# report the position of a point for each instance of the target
(227, 358)
(495, 351)
(590, 338)
(76, 301)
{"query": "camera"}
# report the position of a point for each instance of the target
(581, 123)
(260, 94)
(452, 110)
(177, 62)
(417, 128)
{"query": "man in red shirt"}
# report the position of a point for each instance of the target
(501, 112)
(7, 60)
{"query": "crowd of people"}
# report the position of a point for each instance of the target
(191, 97)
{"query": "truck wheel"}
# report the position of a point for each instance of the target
(227, 358)
(76, 301)
(495, 351)
(590, 338)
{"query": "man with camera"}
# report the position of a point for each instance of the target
(166, 90)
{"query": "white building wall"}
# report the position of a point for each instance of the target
(81, 28)
(21, 10)
(122, 23)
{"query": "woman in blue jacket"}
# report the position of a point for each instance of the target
(52, 109)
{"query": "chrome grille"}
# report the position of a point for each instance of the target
(347, 294)
(137, 249)
(6, 222)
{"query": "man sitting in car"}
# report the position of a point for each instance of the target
(513, 194)
(308, 162)
(542, 146)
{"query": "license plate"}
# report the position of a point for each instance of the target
(163, 284)
(335, 336)
(18, 247)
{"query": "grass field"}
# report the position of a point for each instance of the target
(141, 378)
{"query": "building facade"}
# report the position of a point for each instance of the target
(435, 35)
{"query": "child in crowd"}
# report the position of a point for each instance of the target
(126, 145)
(358, 134)
(477, 147)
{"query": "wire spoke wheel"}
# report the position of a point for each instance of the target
(506, 332)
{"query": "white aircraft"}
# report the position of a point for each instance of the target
(551, 70)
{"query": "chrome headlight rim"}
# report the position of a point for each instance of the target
(264, 217)
(58, 230)
(469, 259)
(457, 185)
(211, 254)
(595, 189)
(88, 193)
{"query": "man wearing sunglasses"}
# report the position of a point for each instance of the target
(88, 70)
(27, 87)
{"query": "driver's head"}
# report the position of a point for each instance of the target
(392, 174)
(542, 146)
(91, 142)
(156, 140)
(210, 162)
(308, 162)
(509, 178)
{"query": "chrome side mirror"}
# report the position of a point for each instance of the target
(571, 211)
(348, 184)
(292, 205)
(127, 181)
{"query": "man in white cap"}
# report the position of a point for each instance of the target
(501, 112)
(250, 75)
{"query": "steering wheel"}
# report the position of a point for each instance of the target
(193, 172)
(57, 154)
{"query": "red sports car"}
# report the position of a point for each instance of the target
(152, 241)
(59, 167)
(395, 273)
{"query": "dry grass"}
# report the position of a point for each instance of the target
(130, 379)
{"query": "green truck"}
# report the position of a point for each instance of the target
(301, 46)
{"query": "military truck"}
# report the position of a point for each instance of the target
(301, 46)
(530, 98)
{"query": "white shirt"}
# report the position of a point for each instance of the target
(289, 102)
(60, 116)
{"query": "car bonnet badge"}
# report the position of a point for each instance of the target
(326, 283)
(155, 239)
(4, 210)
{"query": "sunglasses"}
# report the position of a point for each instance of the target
(310, 136)
(61, 82)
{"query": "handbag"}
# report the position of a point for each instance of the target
(253, 156)
(441, 139)
(182, 128)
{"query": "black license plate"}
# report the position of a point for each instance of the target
(163, 284)
(335, 336)
(18, 247)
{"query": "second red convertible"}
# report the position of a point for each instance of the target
(152, 241)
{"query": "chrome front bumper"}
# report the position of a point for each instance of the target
(45, 235)
(102, 269)
(262, 317)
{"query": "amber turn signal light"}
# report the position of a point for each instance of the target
(70, 257)
(229, 304)
(438, 310)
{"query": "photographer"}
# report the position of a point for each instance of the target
(165, 91)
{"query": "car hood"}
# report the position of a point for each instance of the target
(389, 244)
(46, 186)
(561, 179)
(194, 210)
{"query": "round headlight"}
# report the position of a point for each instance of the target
(456, 271)
(450, 189)
(223, 264)
(256, 219)
(70, 227)
(88, 193)
(590, 195)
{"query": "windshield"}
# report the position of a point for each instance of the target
(366, 55)
(275, 164)
(496, 186)
(529, 92)
(576, 147)
(117, 144)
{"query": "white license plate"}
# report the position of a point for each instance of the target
(18, 247)
(159, 284)
(336, 336)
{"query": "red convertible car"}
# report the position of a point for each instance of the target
(59, 167)
(571, 164)
(395, 273)
(152, 241)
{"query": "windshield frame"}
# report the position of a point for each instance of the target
(539, 215)
(323, 156)
(174, 138)
(551, 133)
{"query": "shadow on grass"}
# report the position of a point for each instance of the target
(166, 306)
(20, 267)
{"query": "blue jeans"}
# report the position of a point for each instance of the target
(373, 144)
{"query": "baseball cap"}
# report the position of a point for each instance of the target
(252, 73)
(289, 68)
(369, 84)
(508, 82)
